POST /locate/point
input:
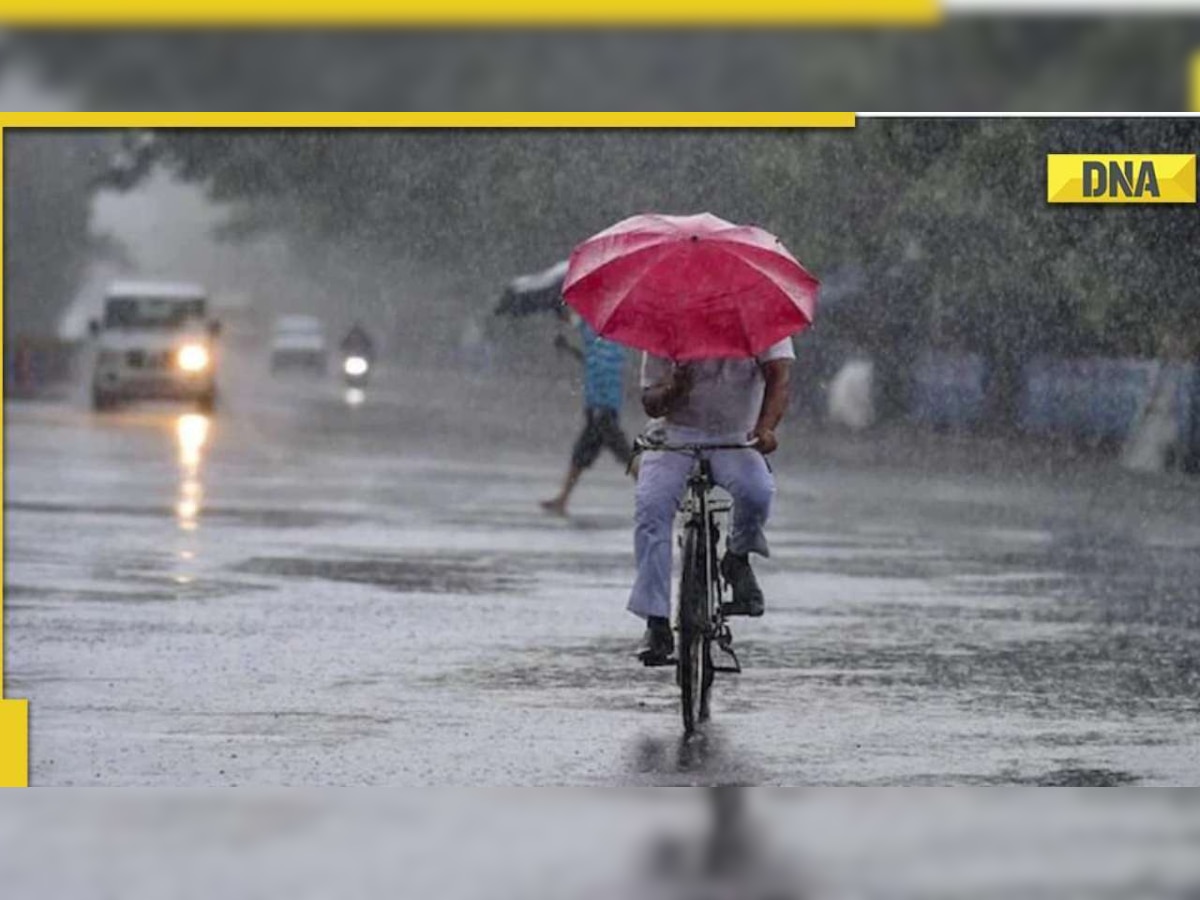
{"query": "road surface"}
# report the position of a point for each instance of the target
(305, 591)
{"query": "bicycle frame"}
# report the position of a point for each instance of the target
(700, 510)
(699, 624)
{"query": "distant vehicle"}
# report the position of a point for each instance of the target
(358, 355)
(155, 341)
(298, 344)
(355, 370)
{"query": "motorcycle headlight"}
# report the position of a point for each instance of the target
(193, 357)
(355, 365)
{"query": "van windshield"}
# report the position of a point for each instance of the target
(151, 312)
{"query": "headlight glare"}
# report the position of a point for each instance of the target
(193, 357)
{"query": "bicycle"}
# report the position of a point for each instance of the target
(700, 614)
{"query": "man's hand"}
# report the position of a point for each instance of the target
(661, 398)
(765, 441)
(681, 383)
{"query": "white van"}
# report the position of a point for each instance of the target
(155, 341)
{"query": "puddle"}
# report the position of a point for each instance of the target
(1066, 776)
(158, 590)
(1083, 778)
(258, 517)
(703, 759)
(1090, 671)
(427, 575)
(595, 666)
(536, 520)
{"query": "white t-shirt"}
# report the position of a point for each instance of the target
(726, 396)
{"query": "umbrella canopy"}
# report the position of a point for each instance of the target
(690, 287)
(536, 293)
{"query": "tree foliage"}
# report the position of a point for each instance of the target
(48, 238)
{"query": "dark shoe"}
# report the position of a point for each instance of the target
(658, 643)
(747, 595)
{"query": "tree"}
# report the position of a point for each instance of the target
(48, 186)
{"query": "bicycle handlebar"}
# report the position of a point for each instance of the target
(642, 444)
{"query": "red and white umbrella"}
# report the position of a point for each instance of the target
(690, 287)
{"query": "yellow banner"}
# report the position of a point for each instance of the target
(1121, 178)
(473, 12)
(427, 120)
(14, 743)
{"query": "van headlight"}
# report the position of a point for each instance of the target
(355, 365)
(193, 357)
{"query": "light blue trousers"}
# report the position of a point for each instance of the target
(661, 483)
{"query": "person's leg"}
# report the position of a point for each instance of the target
(660, 485)
(558, 503)
(616, 441)
(745, 474)
(584, 453)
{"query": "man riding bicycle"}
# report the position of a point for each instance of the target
(708, 401)
(358, 343)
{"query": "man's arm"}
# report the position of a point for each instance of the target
(562, 343)
(778, 376)
(660, 398)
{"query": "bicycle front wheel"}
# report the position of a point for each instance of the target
(694, 677)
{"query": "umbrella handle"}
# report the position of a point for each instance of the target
(686, 372)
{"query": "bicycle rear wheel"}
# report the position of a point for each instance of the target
(694, 677)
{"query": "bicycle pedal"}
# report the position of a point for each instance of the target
(736, 668)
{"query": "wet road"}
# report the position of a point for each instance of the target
(302, 591)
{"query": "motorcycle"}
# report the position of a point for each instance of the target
(355, 371)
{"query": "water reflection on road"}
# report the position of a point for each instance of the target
(191, 433)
